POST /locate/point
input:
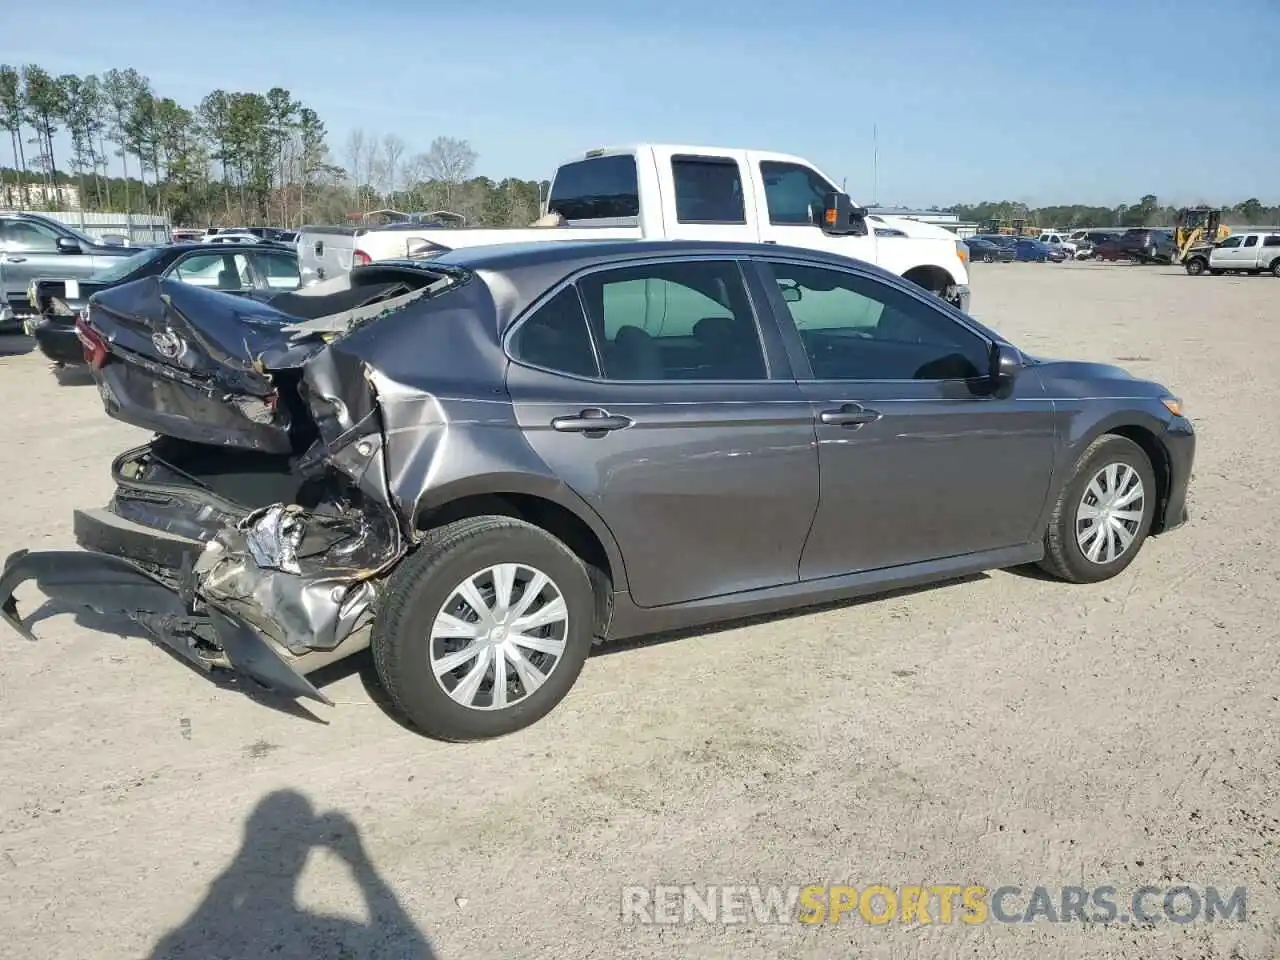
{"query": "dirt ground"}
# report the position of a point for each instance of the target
(1005, 730)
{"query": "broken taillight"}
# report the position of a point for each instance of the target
(95, 348)
(360, 259)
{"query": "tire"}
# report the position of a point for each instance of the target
(1275, 267)
(1195, 266)
(987, 258)
(1065, 557)
(429, 579)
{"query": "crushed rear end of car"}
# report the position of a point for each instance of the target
(251, 534)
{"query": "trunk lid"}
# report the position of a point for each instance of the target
(200, 365)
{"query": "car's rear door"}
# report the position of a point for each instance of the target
(919, 458)
(654, 391)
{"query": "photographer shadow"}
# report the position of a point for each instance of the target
(251, 908)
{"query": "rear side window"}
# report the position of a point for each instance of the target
(1272, 241)
(556, 337)
(598, 188)
(682, 320)
(708, 190)
(1251, 241)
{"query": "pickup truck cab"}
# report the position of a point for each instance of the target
(666, 192)
(1256, 252)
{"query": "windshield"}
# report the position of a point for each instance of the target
(125, 266)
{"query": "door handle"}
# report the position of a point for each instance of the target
(591, 420)
(15, 259)
(849, 415)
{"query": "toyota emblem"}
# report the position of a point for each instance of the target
(168, 344)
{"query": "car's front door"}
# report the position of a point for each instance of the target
(1226, 255)
(920, 457)
(29, 250)
(655, 394)
(790, 198)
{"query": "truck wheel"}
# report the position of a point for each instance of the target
(1275, 267)
(484, 628)
(1196, 266)
(1102, 514)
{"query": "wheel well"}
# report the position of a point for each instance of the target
(932, 278)
(556, 520)
(1159, 458)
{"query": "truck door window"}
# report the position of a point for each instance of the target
(708, 190)
(684, 320)
(1251, 240)
(29, 237)
(793, 192)
(1230, 243)
(598, 188)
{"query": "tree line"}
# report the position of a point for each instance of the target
(1147, 212)
(235, 158)
(239, 158)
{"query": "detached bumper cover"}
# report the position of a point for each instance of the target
(215, 640)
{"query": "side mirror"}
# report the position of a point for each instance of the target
(791, 292)
(68, 245)
(1006, 363)
(840, 216)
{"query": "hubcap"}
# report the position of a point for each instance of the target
(499, 636)
(1110, 513)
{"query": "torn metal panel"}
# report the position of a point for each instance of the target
(303, 578)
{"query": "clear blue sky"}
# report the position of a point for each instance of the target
(1068, 101)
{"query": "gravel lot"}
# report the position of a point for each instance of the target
(1005, 730)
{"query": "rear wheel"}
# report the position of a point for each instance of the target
(1275, 267)
(987, 258)
(1102, 514)
(484, 628)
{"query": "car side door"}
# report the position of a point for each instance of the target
(30, 251)
(1226, 255)
(790, 198)
(920, 456)
(666, 403)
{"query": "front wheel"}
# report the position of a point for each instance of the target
(1275, 267)
(1103, 513)
(1195, 266)
(484, 628)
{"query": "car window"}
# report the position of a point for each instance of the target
(857, 328)
(1272, 241)
(682, 320)
(217, 271)
(1251, 240)
(556, 337)
(278, 269)
(708, 190)
(1230, 243)
(598, 188)
(793, 192)
(28, 237)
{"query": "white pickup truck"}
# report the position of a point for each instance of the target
(1255, 252)
(654, 191)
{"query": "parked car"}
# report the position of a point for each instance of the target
(1088, 239)
(988, 252)
(1033, 250)
(663, 192)
(33, 246)
(232, 268)
(1148, 246)
(1057, 241)
(1255, 252)
(480, 463)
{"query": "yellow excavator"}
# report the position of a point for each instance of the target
(1195, 227)
(1017, 227)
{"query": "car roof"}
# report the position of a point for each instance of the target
(575, 254)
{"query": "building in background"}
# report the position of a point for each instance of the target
(39, 196)
(950, 221)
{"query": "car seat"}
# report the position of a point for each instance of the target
(229, 279)
(731, 348)
(635, 356)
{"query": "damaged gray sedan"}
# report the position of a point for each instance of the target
(479, 463)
